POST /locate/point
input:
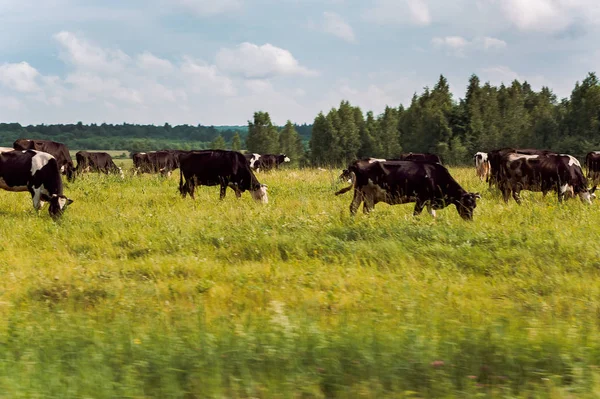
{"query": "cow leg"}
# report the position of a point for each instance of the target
(561, 192)
(516, 196)
(223, 191)
(506, 194)
(419, 205)
(36, 195)
(368, 204)
(191, 187)
(356, 200)
(430, 210)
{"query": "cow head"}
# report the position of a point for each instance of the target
(70, 171)
(58, 204)
(346, 176)
(467, 204)
(286, 158)
(259, 193)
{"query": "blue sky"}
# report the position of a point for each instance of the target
(217, 62)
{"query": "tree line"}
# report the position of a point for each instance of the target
(487, 117)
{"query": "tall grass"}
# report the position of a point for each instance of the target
(139, 293)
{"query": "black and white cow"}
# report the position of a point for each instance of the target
(559, 172)
(36, 172)
(592, 164)
(96, 162)
(399, 182)
(482, 165)
(58, 150)
(219, 168)
(495, 160)
(266, 162)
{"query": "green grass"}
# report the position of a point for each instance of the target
(139, 293)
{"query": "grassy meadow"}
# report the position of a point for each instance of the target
(139, 293)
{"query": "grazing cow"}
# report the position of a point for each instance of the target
(219, 167)
(495, 157)
(399, 182)
(482, 165)
(36, 172)
(163, 162)
(265, 162)
(592, 164)
(96, 162)
(424, 157)
(58, 150)
(559, 172)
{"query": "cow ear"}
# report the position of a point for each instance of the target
(477, 195)
(69, 201)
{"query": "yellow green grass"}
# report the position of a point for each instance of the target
(137, 292)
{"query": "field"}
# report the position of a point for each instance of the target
(139, 293)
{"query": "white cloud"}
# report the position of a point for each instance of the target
(20, 77)
(492, 43)
(82, 54)
(258, 86)
(264, 61)
(10, 103)
(458, 45)
(203, 76)
(414, 12)
(335, 25)
(150, 62)
(204, 8)
(550, 15)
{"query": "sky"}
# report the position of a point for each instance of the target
(216, 62)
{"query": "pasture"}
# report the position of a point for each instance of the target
(139, 293)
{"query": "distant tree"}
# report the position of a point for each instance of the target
(322, 145)
(236, 142)
(290, 142)
(218, 143)
(262, 135)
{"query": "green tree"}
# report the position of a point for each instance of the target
(322, 142)
(236, 142)
(388, 136)
(262, 135)
(290, 143)
(218, 143)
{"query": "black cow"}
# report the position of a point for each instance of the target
(163, 161)
(399, 182)
(266, 162)
(36, 172)
(592, 164)
(559, 172)
(58, 150)
(219, 167)
(96, 162)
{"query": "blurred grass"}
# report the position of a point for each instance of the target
(139, 293)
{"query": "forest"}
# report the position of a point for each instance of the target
(485, 118)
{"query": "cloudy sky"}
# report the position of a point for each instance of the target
(219, 61)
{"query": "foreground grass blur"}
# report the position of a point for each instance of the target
(139, 293)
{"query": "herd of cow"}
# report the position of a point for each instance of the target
(36, 166)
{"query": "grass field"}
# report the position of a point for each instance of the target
(138, 293)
